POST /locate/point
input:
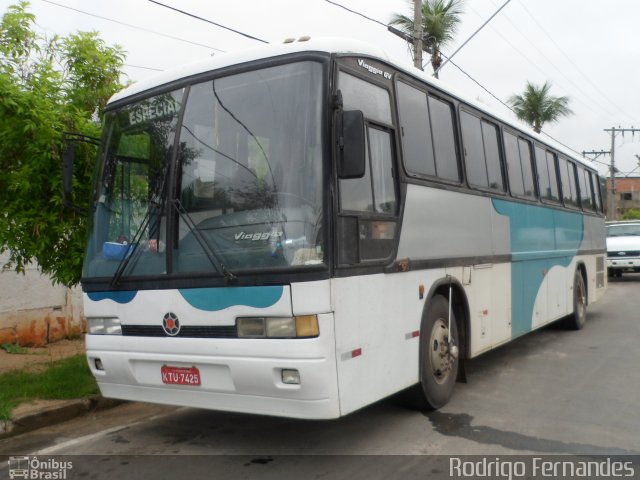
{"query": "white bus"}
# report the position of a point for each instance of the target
(303, 229)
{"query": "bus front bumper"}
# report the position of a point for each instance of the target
(236, 375)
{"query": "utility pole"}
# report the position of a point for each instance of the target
(595, 153)
(417, 33)
(612, 208)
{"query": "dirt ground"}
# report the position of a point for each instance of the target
(36, 358)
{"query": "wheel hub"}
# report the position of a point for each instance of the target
(442, 358)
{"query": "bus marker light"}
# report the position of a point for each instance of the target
(352, 354)
(414, 334)
(307, 326)
(421, 292)
(290, 376)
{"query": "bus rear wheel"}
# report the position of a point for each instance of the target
(579, 316)
(438, 357)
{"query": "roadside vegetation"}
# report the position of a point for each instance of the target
(631, 214)
(49, 85)
(64, 379)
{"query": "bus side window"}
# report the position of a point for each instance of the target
(492, 156)
(519, 166)
(357, 194)
(367, 226)
(415, 127)
(568, 178)
(514, 168)
(595, 192)
(553, 177)
(481, 152)
(428, 134)
(474, 156)
(585, 191)
(444, 140)
(543, 174)
(527, 168)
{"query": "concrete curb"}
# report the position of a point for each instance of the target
(59, 412)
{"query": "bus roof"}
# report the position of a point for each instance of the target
(221, 60)
(335, 45)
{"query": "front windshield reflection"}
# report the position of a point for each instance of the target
(251, 177)
(246, 190)
(129, 226)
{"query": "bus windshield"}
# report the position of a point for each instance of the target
(239, 189)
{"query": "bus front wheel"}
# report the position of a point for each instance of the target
(438, 356)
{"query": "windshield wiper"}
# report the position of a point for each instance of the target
(208, 251)
(132, 249)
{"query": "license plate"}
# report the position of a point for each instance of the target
(180, 376)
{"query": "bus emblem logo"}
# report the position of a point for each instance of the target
(171, 324)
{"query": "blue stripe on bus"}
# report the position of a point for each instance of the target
(541, 238)
(119, 297)
(214, 299)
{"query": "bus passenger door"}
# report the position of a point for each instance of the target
(367, 222)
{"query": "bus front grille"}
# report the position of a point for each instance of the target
(187, 331)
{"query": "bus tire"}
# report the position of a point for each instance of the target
(438, 366)
(578, 318)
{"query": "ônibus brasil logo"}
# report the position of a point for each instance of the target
(38, 469)
(171, 324)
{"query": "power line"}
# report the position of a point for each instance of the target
(435, 72)
(585, 76)
(589, 106)
(209, 21)
(464, 72)
(559, 70)
(144, 68)
(137, 27)
(357, 13)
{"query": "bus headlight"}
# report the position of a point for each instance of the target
(280, 327)
(104, 326)
(305, 326)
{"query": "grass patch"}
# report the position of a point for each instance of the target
(13, 348)
(62, 380)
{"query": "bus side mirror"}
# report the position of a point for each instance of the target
(351, 143)
(68, 158)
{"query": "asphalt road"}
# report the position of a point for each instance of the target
(554, 391)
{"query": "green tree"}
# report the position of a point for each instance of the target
(48, 86)
(631, 214)
(537, 107)
(440, 20)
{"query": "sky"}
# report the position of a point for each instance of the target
(587, 49)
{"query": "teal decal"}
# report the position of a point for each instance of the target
(214, 299)
(541, 238)
(119, 297)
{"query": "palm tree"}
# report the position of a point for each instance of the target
(440, 19)
(536, 107)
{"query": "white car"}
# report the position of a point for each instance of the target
(623, 247)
